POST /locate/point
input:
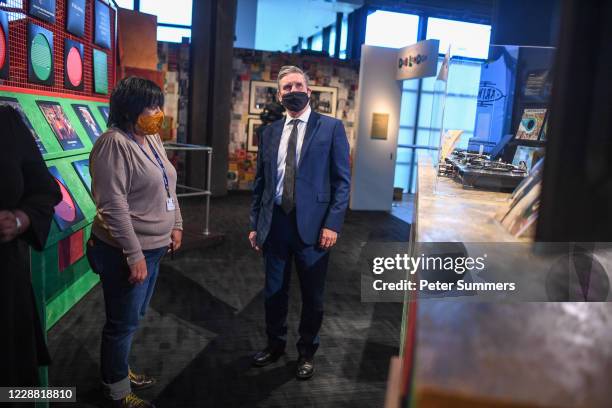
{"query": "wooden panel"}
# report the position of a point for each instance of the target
(137, 33)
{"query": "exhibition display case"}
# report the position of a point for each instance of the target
(443, 362)
(507, 107)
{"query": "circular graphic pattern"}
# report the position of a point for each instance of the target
(40, 56)
(2, 48)
(66, 209)
(74, 67)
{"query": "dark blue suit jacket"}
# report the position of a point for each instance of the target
(322, 181)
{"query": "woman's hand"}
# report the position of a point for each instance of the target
(138, 272)
(8, 224)
(177, 238)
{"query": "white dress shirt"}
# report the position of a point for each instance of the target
(282, 150)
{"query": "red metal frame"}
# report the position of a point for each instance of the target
(17, 48)
(51, 94)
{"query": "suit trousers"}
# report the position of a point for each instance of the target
(282, 247)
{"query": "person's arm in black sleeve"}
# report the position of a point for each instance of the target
(41, 193)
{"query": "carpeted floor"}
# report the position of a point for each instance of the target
(206, 320)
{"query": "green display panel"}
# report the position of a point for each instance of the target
(40, 55)
(61, 274)
(100, 72)
(30, 107)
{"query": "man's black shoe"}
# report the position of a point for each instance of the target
(267, 356)
(305, 368)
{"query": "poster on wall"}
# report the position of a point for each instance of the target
(531, 124)
(261, 94)
(40, 55)
(63, 130)
(82, 169)
(75, 17)
(17, 106)
(324, 100)
(67, 212)
(104, 110)
(102, 25)
(100, 72)
(88, 122)
(252, 138)
(380, 126)
(73, 65)
(4, 49)
(43, 9)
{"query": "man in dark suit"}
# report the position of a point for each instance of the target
(300, 195)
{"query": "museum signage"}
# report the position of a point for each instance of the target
(419, 60)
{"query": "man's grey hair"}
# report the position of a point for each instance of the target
(290, 69)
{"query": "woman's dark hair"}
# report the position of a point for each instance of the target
(130, 97)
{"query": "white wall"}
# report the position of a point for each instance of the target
(374, 162)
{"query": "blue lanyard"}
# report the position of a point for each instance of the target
(159, 161)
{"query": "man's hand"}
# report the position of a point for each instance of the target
(138, 272)
(177, 238)
(253, 240)
(327, 238)
(8, 226)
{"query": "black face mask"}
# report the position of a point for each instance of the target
(295, 101)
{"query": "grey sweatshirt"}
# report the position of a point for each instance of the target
(128, 189)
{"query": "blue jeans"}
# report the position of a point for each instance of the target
(125, 306)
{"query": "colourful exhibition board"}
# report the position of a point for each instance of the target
(30, 106)
(65, 284)
(61, 274)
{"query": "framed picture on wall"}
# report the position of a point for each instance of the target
(324, 100)
(73, 65)
(105, 111)
(67, 212)
(75, 17)
(4, 45)
(261, 93)
(100, 72)
(88, 121)
(102, 25)
(252, 139)
(17, 106)
(40, 55)
(61, 126)
(82, 169)
(43, 9)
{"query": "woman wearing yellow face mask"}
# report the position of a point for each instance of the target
(137, 220)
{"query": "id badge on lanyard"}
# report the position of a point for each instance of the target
(170, 205)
